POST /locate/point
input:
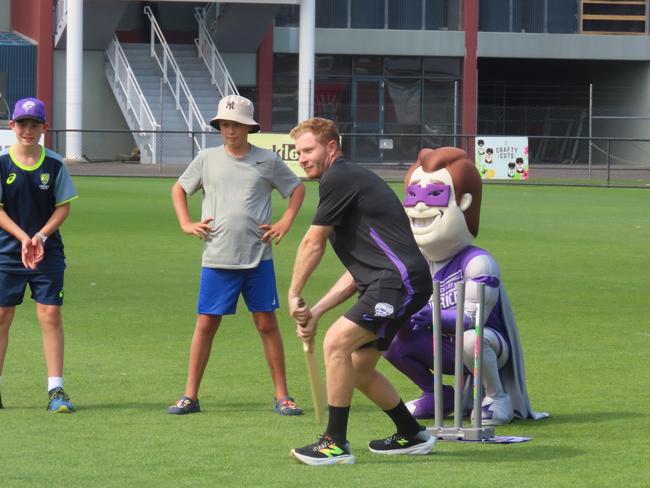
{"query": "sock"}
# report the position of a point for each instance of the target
(54, 382)
(404, 421)
(337, 424)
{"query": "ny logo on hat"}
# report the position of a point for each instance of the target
(230, 105)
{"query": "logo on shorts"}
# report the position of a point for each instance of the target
(383, 310)
(11, 178)
(45, 180)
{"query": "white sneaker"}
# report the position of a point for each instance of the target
(496, 410)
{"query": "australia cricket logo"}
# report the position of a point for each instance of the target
(45, 181)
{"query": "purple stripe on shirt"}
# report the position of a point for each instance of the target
(394, 259)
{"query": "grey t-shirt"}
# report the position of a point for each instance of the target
(237, 194)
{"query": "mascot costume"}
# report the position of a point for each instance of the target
(443, 202)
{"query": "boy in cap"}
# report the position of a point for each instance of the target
(35, 195)
(237, 179)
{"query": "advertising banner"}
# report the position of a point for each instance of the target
(502, 158)
(281, 144)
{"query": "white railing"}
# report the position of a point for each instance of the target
(172, 75)
(219, 74)
(60, 19)
(132, 101)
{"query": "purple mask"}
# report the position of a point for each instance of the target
(432, 195)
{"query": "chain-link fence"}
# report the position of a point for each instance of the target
(550, 160)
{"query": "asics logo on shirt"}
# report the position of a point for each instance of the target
(11, 178)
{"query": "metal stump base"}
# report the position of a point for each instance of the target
(462, 433)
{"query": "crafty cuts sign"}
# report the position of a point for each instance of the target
(502, 158)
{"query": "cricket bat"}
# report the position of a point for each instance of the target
(318, 393)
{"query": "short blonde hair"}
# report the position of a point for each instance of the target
(324, 130)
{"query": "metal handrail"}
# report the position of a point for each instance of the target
(179, 88)
(219, 74)
(134, 100)
(60, 19)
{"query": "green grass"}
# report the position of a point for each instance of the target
(575, 263)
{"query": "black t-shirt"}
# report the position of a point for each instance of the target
(371, 232)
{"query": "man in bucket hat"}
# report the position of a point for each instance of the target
(237, 179)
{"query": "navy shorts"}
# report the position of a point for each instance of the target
(383, 310)
(46, 287)
(220, 289)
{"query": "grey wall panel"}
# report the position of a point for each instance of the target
(378, 42)
(563, 46)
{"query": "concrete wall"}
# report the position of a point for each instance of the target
(375, 41)
(563, 46)
(5, 15)
(242, 67)
(623, 90)
(100, 110)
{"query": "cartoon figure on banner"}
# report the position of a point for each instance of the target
(486, 170)
(480, 151)
(443, 202)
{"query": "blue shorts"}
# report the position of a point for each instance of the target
(46, 287)
(220, 289)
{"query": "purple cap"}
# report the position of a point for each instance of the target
(30, 108)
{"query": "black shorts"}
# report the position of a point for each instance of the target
(383, 309)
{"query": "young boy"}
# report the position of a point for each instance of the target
(35, 194)
(237, 179)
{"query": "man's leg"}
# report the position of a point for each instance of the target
(204, 332)
(267, 326)
(341, 340)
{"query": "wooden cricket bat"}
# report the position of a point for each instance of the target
(318, 392)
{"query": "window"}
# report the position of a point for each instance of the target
(405, 14)
(367, 14)
(332, 13)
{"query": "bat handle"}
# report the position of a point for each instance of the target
(307, 346)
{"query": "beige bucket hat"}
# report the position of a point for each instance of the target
(237, 109)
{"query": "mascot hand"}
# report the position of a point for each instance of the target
(422, 319)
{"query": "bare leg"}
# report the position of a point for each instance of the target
(267, 326)
(371, 382)
(342, 339)
(6, 317)
(204, 332)
(49, 317)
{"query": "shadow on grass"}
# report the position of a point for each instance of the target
(485, 454)
(578, 418)
(206, 407)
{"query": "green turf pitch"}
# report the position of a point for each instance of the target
(575, 263)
